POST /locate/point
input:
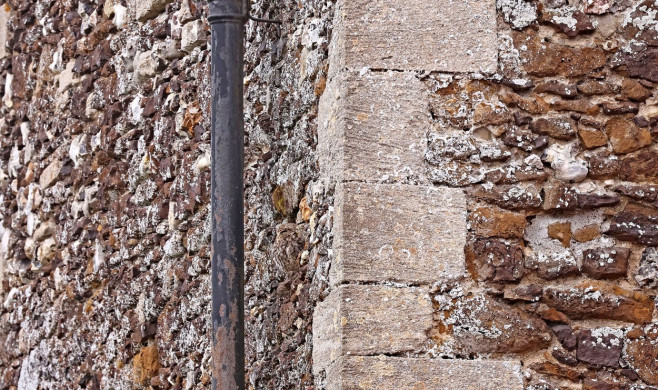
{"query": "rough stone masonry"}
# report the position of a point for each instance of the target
(439, 195)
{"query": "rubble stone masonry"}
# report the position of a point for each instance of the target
(439, 194)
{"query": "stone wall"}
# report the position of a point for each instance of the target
(439, 194)
(496, 211)
(104, 186)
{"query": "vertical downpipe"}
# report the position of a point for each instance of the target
(227, 18)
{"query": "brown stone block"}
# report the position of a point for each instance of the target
(454, 37)
(600, 300)
(398, 373)
(372, 127)
(367, 320)
(397, 232)
(605, 263)
(494, 222)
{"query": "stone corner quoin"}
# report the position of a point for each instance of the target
(395, 234)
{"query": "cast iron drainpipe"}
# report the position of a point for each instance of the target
(227, 19)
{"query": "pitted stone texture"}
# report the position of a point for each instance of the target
(4, 30)
(398, 373)
(398, 233)
(368, 320)
(432, 35)
(147, 9)
(372, 127)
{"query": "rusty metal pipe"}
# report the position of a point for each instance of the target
(227, 19)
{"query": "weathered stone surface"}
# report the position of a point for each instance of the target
(641, 352)
(555, 370)
(495, 260)
(476, 323)
(625, 136)
(557, 88)
(551, 59)
(597, 87)
(378, 34)
(5, 14)
(561, 231)
(604, 166)
(148, 9)
(647, 273)
(600, 300)
(146, 364)
(368, 320)
(600, 347)
(193, 35)
(527, 293)
(641, 63)
(565, 334)
(640, 167)
(399, 373)
(568, 21)
(634, 90)
(636, 223)
(592, 138)
(50, 174)
(402, 233)
(592, 201)
(619, 108)
(495, 222)
(513, 197)
(587, 233)
(560, 128)
(606, 263)
(372, 127)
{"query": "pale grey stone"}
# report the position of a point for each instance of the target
(193, 35)
(373, 126)
(399, 233)
(431, 35)
(367, 320)
(148, 9)
(401, 373)
(5, 13)
(50, 174)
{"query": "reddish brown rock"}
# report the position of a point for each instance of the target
(606, 263)
(599, 300)
(495, 222)
(641, 352)
(533, 104)
(559, 196)
(495, 260)
(647, 193)
(512, 197)
(597, 87)
(566, 336)
(625, 136)
(647, 273)
(557, 88)
(561, 231)
(642, 62)
(636, 223)
(634, 90)
(560, 128)
(592, 201)
(603, 166)
(480, 324)
(543, 59)
(641, 166)
(554, 370)
(526, 293)
(592, 138)
(584, 106)
(517, 137)
(600, 347)
(587, 233)
(619, 108)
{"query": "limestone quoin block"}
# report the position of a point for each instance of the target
(398, 233)
(431, 35)
(367, 320)
(402, 373)
(372, 127)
